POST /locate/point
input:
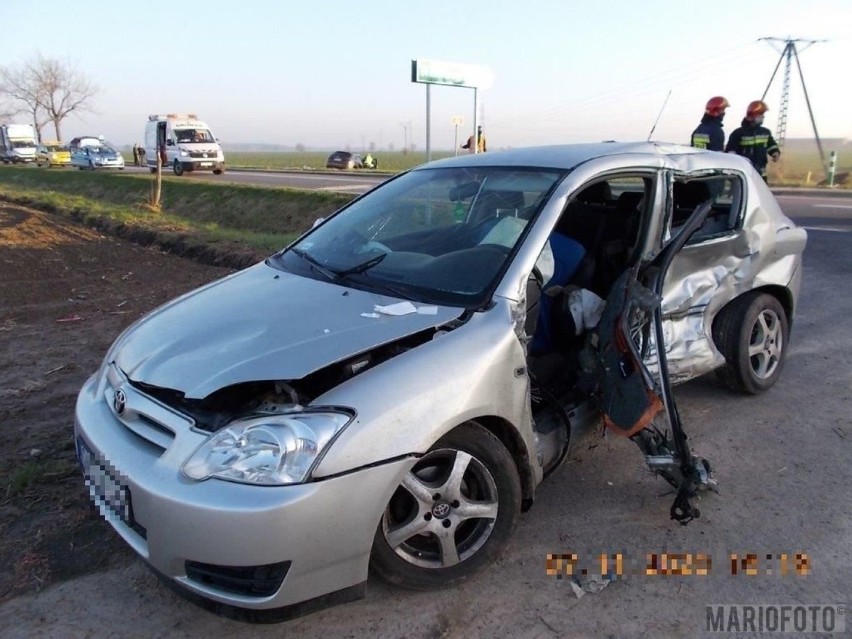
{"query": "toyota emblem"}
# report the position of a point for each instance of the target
(119, 402)
(441, 510)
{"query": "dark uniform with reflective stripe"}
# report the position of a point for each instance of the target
(754, 142)
(709, 134)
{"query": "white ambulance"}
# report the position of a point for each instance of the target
(188, 142)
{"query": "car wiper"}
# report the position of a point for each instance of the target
(392, 289)
(329, 274)
(363, 266)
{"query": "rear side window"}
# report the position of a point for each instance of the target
(725, 216)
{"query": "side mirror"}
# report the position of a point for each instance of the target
(170, 142)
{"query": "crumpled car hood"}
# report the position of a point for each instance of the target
(260, 324)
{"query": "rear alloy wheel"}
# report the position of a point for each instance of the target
(751, 332)
(178, 168)
(453, 514)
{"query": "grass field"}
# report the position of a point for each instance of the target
(800, 164)
(197, 213)
(393, 161)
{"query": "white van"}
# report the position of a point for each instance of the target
(189, 144)
(17, 143)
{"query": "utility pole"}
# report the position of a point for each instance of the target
(788, 52)
(405, 127)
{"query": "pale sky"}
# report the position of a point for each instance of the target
(331, 73)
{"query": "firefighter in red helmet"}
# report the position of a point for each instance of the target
(754, 141)
(709, 134)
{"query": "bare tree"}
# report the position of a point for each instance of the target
(48, 89)
(22, 96)
(64, 89)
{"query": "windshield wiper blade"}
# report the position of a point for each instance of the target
(393, 290)
(363, 266)
(329, 274)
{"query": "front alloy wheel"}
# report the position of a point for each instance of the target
(453, 513)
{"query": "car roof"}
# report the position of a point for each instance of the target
(569, 156)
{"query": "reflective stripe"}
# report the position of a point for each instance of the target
(700, 140)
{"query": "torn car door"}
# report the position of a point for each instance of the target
(633, 401)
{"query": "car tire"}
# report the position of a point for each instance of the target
(177, 167)
(752, 333)
(453, 514)
(218, 171)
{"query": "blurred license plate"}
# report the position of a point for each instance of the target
(206, 164)
(110, 496)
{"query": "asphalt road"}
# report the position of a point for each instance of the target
(354, 183)
(822, 213)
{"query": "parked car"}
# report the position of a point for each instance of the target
(90, 152)
(388, 391)
(344, 160)
(52, 154)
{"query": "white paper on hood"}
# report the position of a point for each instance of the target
(400, 308)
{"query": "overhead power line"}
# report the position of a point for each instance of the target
(788, 52)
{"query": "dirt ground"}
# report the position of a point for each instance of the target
(782, 460)
(65, 293)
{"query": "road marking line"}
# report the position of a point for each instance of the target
(825, 228)
(833, 206)
(345, 188)
(294, 175)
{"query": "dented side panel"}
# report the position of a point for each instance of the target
(407, 403)
(764, 252)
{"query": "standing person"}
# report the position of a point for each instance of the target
(480, 144)
(135, 154)
(141, 156)
(709, 134)
(754, 141)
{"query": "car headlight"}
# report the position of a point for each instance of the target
(268, 450)
(184, 153)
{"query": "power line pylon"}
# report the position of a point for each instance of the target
(789, 52)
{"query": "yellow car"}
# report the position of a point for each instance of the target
(53, 154)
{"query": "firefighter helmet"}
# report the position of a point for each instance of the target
(716, 106)
(756, 108)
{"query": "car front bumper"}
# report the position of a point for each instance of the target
(201, 165)
(224, 541)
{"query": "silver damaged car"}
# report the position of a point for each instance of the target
(384, 395)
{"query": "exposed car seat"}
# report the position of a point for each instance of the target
(619, 234)
(567, 257)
